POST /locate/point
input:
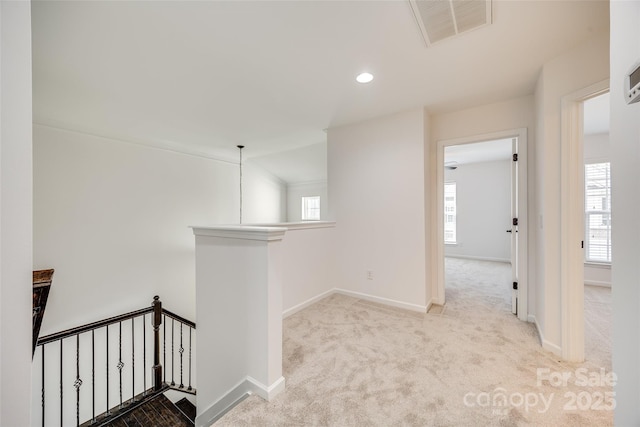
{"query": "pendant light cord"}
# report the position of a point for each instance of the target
(240, 147)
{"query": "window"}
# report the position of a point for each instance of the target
(597, 197)
(311, 208)
(450, 212)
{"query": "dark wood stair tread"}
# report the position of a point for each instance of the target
(187, 408)
(42, 280)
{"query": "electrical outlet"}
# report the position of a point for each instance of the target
(369, 275)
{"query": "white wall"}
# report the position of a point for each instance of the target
(625, 144)
(264, 197)
(578, 68)
(112, 219)
(483, 202)
(15, 213)
(376, 186)
(512, 114)
(307, 255)
(295, 192)
(239, 277)
(597, 148)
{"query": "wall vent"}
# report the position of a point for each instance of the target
(441, 19)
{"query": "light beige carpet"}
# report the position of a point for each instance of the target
(350, 362)
(597, 325)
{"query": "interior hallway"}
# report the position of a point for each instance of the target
(350, 362)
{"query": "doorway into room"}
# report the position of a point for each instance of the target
(480, 236)
(597, 231)
(482, 215)
(575, 219)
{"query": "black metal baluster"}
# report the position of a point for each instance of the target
(144, 355)
(172, 351)
(93, 376)
(164, 348)
(181, 352)
(43, 377)
(157, 377)
(157, 367)
(120, 364)
(61, 405)
(78, 382)
(133, 362)
(190, 329)
(108, 407)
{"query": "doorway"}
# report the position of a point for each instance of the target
(572, 221)
(512, 225)
(597, 239)
(479, 207)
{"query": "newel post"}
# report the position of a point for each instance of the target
(157, 321)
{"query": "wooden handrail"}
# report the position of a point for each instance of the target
(181, 319)
(95, 325)
(157, 313)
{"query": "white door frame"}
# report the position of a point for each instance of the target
(572, 221)
(437, 244)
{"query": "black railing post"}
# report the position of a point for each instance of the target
(157, 320)
(190, 329)
(181, 350)
(43, 387)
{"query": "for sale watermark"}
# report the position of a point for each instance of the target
(590, 398)
(499, 400)
(581, 377)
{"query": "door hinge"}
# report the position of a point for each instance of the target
(515, 285)
(515, 157)
(515, 221)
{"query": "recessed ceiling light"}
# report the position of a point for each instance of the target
(364, 77)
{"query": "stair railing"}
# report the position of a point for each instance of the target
(107, 355)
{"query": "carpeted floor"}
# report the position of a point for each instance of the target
(597, 325)
(349, 362)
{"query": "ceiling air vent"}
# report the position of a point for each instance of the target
(441, 19)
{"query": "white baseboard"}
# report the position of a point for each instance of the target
(267, 393)
(597, 283)
(547, 345)
(230, 399)
(381, 300)
(437, 301)
(478, 258)
(386, 301)
(237, 394)
(296, 308)
(429, 304)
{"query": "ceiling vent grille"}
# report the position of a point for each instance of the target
(441, 19)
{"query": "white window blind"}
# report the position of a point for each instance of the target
(450, 212)
(311, 208)
(597, 196)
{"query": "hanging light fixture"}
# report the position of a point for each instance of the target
(240, 147)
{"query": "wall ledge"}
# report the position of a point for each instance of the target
(304, 225)
(602, 265)
(242, 232)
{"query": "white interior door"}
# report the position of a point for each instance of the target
(514, 226)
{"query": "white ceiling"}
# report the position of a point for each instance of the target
(306, 164)
(204, 76)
